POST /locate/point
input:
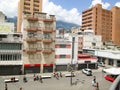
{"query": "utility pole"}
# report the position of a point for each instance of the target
(73, 40)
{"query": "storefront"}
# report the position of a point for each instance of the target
(10, 69)
(87, 61)
(61, 67)
(47, 68)
(32, 68)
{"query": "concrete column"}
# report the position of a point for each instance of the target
(42, 68)
(101, 59)
(106, 61)
(115, 63)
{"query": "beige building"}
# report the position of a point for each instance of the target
(104, 22)
(27, 6)
(38, 31)
(38, 42)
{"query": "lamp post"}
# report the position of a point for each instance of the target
(73, 40)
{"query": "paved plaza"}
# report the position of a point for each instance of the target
(63, 83)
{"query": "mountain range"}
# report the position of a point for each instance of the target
(59, 24)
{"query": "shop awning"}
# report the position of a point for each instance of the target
(32, 65)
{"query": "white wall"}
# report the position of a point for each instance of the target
(108, 54)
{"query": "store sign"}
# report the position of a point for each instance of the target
(87, 62)
(6, 28)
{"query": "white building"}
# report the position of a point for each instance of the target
(10, 54)
(65, 51)
(109, 57)
(90, 40)
(2, 17)
(10, 48)
(87, 40)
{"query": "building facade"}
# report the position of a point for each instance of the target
(62, 53)
(109, 57)
(87, 40)
(67, 53)
(103, 22)
(10, 48)
(10, 53)
(27, 6)
(38, 42)
(2, 17)
(115, 25)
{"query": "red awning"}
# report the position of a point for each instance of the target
(83, 56)
(31, 65)
(48, 65)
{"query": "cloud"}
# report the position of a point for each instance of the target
(104, 5)
(9, 7)
(72, 16)
(117, 4)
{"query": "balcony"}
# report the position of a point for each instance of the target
(48, 30)
(31, 18)
(31, 40)
(47, 50)
(48, 19)
(31, 29)
(39, 49)
(30, 50)
(36, 4)
(47, 40)
(26, 11)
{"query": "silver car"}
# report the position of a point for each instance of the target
(87, 71)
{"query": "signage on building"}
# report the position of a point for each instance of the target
(6, 27)
(87, 62)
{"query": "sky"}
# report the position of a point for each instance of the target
(64, 10)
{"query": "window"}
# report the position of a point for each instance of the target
(63, 46)
(93, 44)
(62, 56)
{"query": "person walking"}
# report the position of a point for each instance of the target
(6, 87)
(94, 81)
(41, 79)
(20, 88)
(97, 86)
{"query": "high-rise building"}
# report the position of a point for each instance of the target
(27, 6)
(104, 22)
(116, 25)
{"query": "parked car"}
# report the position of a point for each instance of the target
(87, 71)
(101, 64)
(110, 77)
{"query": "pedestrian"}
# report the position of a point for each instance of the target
(34, 77)
(6, 88)
(97, 86)
(40, 79)
(20, 88)
(60, 74)
(94, 81)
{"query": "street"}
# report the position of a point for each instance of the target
(84, 82)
